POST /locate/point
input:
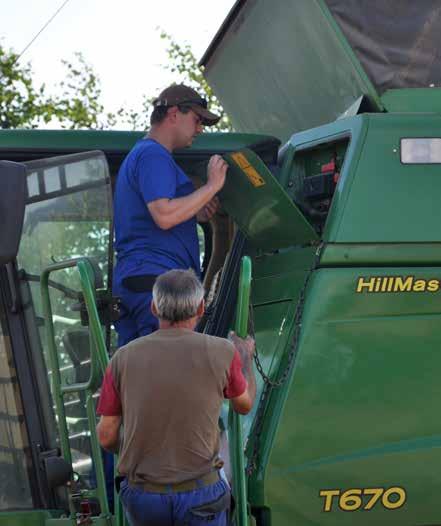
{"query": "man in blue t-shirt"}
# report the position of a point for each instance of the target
(156, 207)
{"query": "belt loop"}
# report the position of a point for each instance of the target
(169, 489)
(199, 483)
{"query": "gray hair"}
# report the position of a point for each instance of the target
(177, 295)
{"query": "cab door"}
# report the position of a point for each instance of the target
(68, 214)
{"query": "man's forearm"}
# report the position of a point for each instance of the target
(168, 213)
(108, 432)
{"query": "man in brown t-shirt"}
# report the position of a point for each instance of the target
(168, 388)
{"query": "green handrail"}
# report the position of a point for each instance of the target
(98, 363)
(235, 420)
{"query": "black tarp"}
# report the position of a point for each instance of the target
(396, 41)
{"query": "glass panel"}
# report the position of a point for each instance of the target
(15, 490)
(68, 217)
(32, 184)
(421, 151)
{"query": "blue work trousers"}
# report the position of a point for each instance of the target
(206, 505)
(136, 318)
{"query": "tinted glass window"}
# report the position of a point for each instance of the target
(15, 490)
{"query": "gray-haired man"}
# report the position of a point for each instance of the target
(168, 388)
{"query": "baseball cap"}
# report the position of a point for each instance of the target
(179, 94)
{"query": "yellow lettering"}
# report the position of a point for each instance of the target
(377, 284)
(350, 500)
(433, 285)
(368, 284)
(419, 285)
(398, 500)
(390, 285)
(375, 495)
(329, 494)
(401, 285)
(384, 284)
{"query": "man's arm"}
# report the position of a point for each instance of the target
(108, 432)
(243, 403)
(168, 213)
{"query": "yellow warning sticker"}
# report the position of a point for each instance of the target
(240, 159)
(253, 176)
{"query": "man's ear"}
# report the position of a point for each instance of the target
(201, 309)
(172, 113)
(154, 309)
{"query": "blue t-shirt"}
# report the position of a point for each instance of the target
(149, 173)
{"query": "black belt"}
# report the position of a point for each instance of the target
(142, 283)
(187, 485)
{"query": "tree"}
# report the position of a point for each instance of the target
(22, 105)
(80, 104)
(184, 65)
(76, 102)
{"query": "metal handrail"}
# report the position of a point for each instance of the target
(98, 363)
(235, 420)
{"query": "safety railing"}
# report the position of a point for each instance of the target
(235, 420)
(98, 362)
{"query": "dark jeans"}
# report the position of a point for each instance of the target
(136, 318)
(206, 505)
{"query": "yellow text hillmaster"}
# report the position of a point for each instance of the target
(371, 284)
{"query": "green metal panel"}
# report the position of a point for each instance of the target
(415, 100)
(378, 199)
(115, 141)
(277, 281)
(388, 201)
(353, 128)
(235, 432)
(360, 411)
(27, 518)
(259, 205)
(284, 66)
(388, 254)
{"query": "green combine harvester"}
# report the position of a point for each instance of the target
(327, 250)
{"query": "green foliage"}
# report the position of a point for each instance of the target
(80, 105)
(184, 66)
(22, 105)
(183, 63)
(77, 99)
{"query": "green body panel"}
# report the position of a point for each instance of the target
(412, 100)
(235, 425)
(112, 141)
(387, 254)
(270, 220)
(360, 412)
(277, 282)
(30, 518)
(378, 198)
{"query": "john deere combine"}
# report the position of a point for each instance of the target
(341, 229)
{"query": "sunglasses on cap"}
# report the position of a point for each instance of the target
(200, 101)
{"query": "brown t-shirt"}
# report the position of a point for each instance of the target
(169, 387)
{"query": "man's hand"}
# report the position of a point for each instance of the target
(208, 211)
(216, 172)
(245, 347)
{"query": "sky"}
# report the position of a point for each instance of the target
(120, 39)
